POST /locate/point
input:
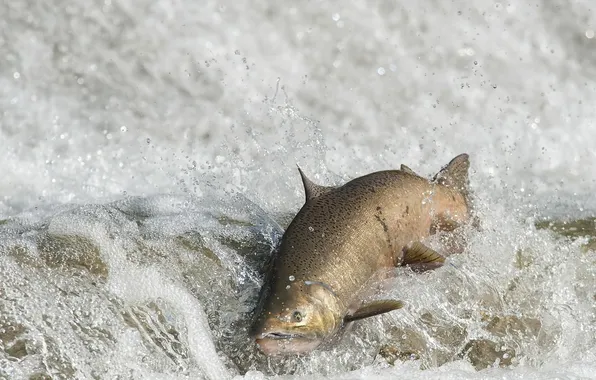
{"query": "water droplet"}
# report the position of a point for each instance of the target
(590, 33)
(381, 71)
(148, 140)
(123, 128)
(311, 229)
(288, 287)
(16, 75)
(335, 17)
(292, 278)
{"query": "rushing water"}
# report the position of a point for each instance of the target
(148, 169)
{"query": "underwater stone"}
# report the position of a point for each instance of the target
(193, 241)
(404, 344)
(391, 354)
(572, 229)
(17, 350)
(512, 325)
(484, 353)
(40, 376)
(9, 331)
(72, 251)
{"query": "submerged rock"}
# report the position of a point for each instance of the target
(433, 342)
(10, 330)
(572, 229)
(193, 241)
(392, 353)
(71, 251)
(18, 349)
(40, 376)
(484, 353)
(510, 325)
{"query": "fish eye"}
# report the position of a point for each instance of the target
(297, 316)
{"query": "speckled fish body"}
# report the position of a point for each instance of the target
(340, 239)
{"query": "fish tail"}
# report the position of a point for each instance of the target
(455, 175)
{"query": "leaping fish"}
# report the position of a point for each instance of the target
(341, 237)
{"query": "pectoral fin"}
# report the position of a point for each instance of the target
(374, 308)
(421, 258)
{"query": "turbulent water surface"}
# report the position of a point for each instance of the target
(148, 170)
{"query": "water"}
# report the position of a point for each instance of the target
(148, 167)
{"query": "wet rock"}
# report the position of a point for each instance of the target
(484, 353)
(510, 325)
(434, 342)
(253, 248)
(446, 334)
(573, 229)
(18, 349)
(71, 251)
(392, 353)
(9, 331)
(404, 344)
(193, 241)
(24, 256)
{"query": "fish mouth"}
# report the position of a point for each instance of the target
(281, 343)
(280, 335)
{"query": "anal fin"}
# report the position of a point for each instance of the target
(421, 258)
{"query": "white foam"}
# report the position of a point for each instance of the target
(141, 285)
(186, 111)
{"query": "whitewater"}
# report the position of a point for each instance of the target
(148, 154)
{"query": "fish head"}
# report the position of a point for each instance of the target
(298, 319)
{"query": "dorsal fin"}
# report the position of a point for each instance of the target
(407, 169)
(311, 189)
(455, 174)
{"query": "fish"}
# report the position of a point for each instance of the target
(344, 236)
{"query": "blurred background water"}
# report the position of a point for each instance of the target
(148, 167)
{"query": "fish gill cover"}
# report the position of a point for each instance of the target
(148, 170)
